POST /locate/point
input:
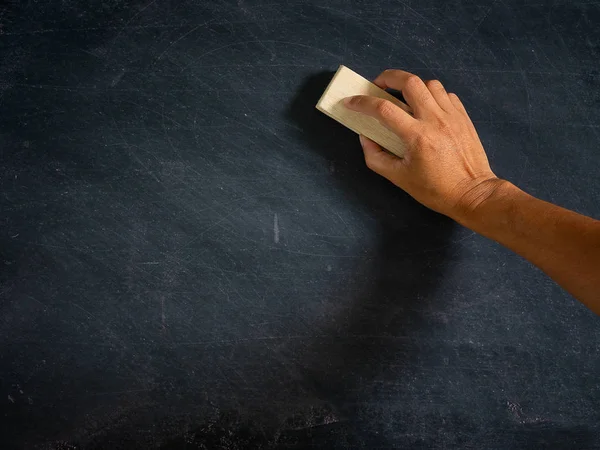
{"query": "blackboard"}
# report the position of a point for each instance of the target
(194, 257)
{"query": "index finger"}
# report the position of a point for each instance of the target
(412, 87)
(387, 113)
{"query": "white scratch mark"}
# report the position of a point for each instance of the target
(162, 314)
(10, 399)
(275, 228)
(117, 78)
(330, 418)
(328, 267)
(182, 37)
(520, 417)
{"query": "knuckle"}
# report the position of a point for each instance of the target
(456, 101)
(443, 126)
(435, 85)
(424, 97)
(370, 163)
(420, 141)
(412, 82)
(391, 73)
(419, 138)
(385, 109)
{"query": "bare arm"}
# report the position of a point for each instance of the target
(445, 168)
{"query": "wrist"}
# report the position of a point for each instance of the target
(482, 198)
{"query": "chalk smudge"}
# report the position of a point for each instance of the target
(275, 228)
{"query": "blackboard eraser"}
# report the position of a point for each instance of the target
(346, 83)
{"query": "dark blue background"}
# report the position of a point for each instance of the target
(192, 255)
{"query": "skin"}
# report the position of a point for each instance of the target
(446, 169)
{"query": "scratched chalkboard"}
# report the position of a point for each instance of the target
(193, 257)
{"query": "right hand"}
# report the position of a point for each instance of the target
(445, 166)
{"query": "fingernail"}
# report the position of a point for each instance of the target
(347, 101)
(362, 140)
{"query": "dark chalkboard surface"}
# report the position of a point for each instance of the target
(194, 257)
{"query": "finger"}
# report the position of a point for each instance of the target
(457, 103)
(388, 114)
(439, 94)
(412, 87)
(378, 160)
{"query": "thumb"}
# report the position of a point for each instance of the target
(378, 160)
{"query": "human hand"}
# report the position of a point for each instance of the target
(445, 166)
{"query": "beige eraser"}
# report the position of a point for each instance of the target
(346, 83)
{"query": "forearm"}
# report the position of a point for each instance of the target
(564, 244)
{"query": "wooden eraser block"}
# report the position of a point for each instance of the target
(346, 83)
